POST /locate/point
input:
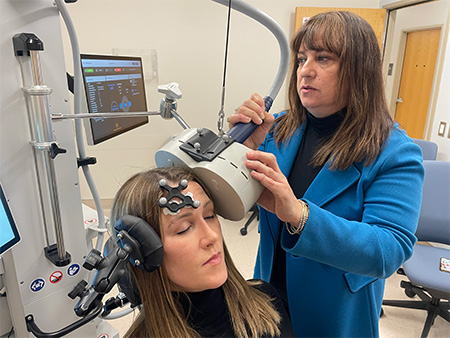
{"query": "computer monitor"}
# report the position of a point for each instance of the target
(113, 84)
(9, 234)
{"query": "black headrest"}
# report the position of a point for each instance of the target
(142, 242)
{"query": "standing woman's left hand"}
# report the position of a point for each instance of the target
(277, 196)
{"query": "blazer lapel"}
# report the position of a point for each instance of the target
(286, 153)
(330, 183)
(285, 156)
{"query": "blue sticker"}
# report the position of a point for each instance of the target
(73, 269)
(37, 285)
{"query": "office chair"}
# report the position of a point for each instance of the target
(423, 269)
(255, 214)
(429, 148)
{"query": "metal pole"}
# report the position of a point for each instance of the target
(39, 113)
(50, 166)
(36, 67)
(57, 116)
(31, 124)
(173, 113)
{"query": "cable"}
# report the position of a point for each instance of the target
(119, 314)
(226, 44)
(222, 104)
(276, 30)
(240, 131)
(78, 124)
(79, 137)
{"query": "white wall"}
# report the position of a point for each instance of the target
(189, 39)
(391, 4)
(442, 111)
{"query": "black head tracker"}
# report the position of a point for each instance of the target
(175, 192)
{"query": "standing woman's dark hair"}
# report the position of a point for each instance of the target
(251, 311)
(367, 123)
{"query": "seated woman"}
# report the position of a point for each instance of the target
(197, 291)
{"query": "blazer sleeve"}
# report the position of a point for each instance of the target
(379, 238)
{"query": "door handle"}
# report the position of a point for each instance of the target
(399, 100)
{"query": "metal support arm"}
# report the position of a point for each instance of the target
(33, 328)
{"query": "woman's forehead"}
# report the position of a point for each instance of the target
(196, 193)
(195, 189)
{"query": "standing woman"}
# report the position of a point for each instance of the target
(342, 182)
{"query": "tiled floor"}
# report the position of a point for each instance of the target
(396, 322)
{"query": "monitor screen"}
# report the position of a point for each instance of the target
(8, 230)
(113, 84)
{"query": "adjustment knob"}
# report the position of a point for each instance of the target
(92, 260)
(78, 289)
(171, 90)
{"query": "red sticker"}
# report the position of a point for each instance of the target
(90, 221)
(56, 277)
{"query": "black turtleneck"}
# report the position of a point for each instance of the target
(300, 178)
(317, 130)
(208, 312)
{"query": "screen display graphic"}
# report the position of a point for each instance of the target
(8, 230)
(113, 84)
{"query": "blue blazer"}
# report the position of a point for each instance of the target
(360, 231)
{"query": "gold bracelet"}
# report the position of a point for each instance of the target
(292, 230)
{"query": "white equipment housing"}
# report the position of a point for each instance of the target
(33, 284)
(232, 188)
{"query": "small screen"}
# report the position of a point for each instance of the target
(8, 230)
(113, 84)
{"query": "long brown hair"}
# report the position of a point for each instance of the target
(251, 311)
(367, 123)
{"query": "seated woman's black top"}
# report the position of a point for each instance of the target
(209, 314)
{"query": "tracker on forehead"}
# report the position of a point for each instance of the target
(175, 192)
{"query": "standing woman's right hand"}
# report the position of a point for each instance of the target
(253, 109)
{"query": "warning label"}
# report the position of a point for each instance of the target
(90, 221)
(56, 277)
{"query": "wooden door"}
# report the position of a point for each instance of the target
(416, 80)
(374, 16)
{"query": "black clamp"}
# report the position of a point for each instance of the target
(86, 161)
(55, 150)
(51, 253)
(24, 42)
